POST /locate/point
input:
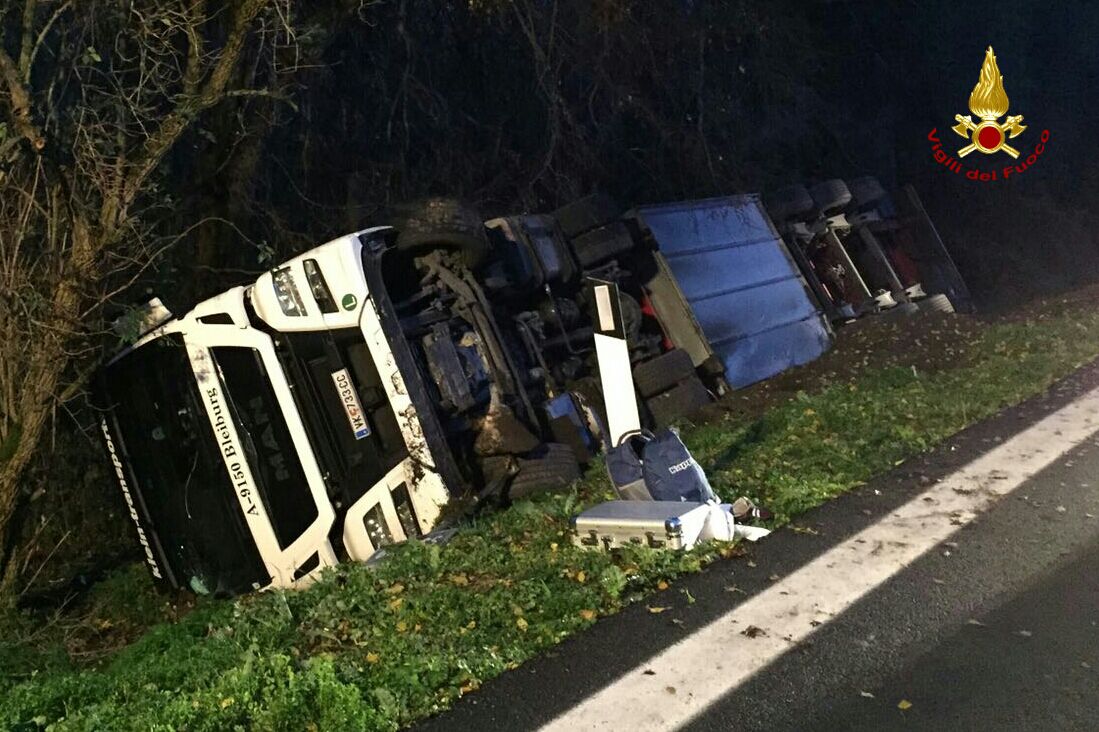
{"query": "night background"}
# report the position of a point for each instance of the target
(134, 162)
(527, 106)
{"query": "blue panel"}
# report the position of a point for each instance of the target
(741, 283)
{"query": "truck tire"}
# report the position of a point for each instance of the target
(903, 309)
(937, 304)
(586, 214)
(791, 202)
(659, 374)
(678, 402)
(443, 223)
(865, 191)
(830, 196)
(552, 467)
(599, 245)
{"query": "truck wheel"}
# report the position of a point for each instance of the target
(679, 402)
(865, 191)
(937, 304)
(791, 202)
(903, 309)
(830, 196)
(443, 223)
(601, 244)
(663, 372)
(586, 214)
(551, 467)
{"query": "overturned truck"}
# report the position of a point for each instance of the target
(376, 387)
(341, 401)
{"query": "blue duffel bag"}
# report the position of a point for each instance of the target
(657, 467)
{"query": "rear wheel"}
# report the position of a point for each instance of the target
(586, 214)
(830, 196)
(866, 191)
(937, 304)
(443, 223)
(679, 402)
(904, 309)
(787, 203)
(601, 244)
(551, 467)
(663, 372)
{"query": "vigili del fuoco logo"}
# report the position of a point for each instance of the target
(988, 102)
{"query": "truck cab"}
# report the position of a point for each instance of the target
(271, 429)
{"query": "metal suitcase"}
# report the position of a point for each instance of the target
(655, 524)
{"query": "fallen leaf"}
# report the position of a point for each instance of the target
(661, 585)
(1024, 633)
(394, 589)
(402, 626)
(753, 631)
(521, 624)
(372, 657)
(866, 694)
(396, 603)
(227, 701)
(655, 610)
(649, 672)
(587, 614)
(974, 621)
(904, 704)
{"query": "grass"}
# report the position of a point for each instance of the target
(378, 649)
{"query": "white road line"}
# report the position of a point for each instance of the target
(717, 658)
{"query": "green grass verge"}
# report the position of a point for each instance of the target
(377, 649)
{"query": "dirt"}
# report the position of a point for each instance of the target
(927, 342)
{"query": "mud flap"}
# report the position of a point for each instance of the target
(615, 374)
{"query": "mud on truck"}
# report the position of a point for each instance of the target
(352, 396)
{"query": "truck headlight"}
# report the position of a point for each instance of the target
(319, 287)
(286, 291)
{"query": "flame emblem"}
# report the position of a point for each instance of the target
(989, 102)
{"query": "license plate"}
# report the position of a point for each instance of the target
(345, 389)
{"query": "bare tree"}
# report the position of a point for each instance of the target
(96, 95)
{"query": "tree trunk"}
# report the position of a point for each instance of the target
(46, 363)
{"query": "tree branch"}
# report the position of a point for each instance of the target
(187, 108)
(20, 103)
(26, 42)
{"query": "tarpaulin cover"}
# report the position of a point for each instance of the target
(742, 284)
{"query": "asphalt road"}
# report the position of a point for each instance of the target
(995, 628)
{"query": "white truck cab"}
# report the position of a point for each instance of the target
(246, 387)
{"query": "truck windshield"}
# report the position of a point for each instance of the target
(272, 456)
(175, 471)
